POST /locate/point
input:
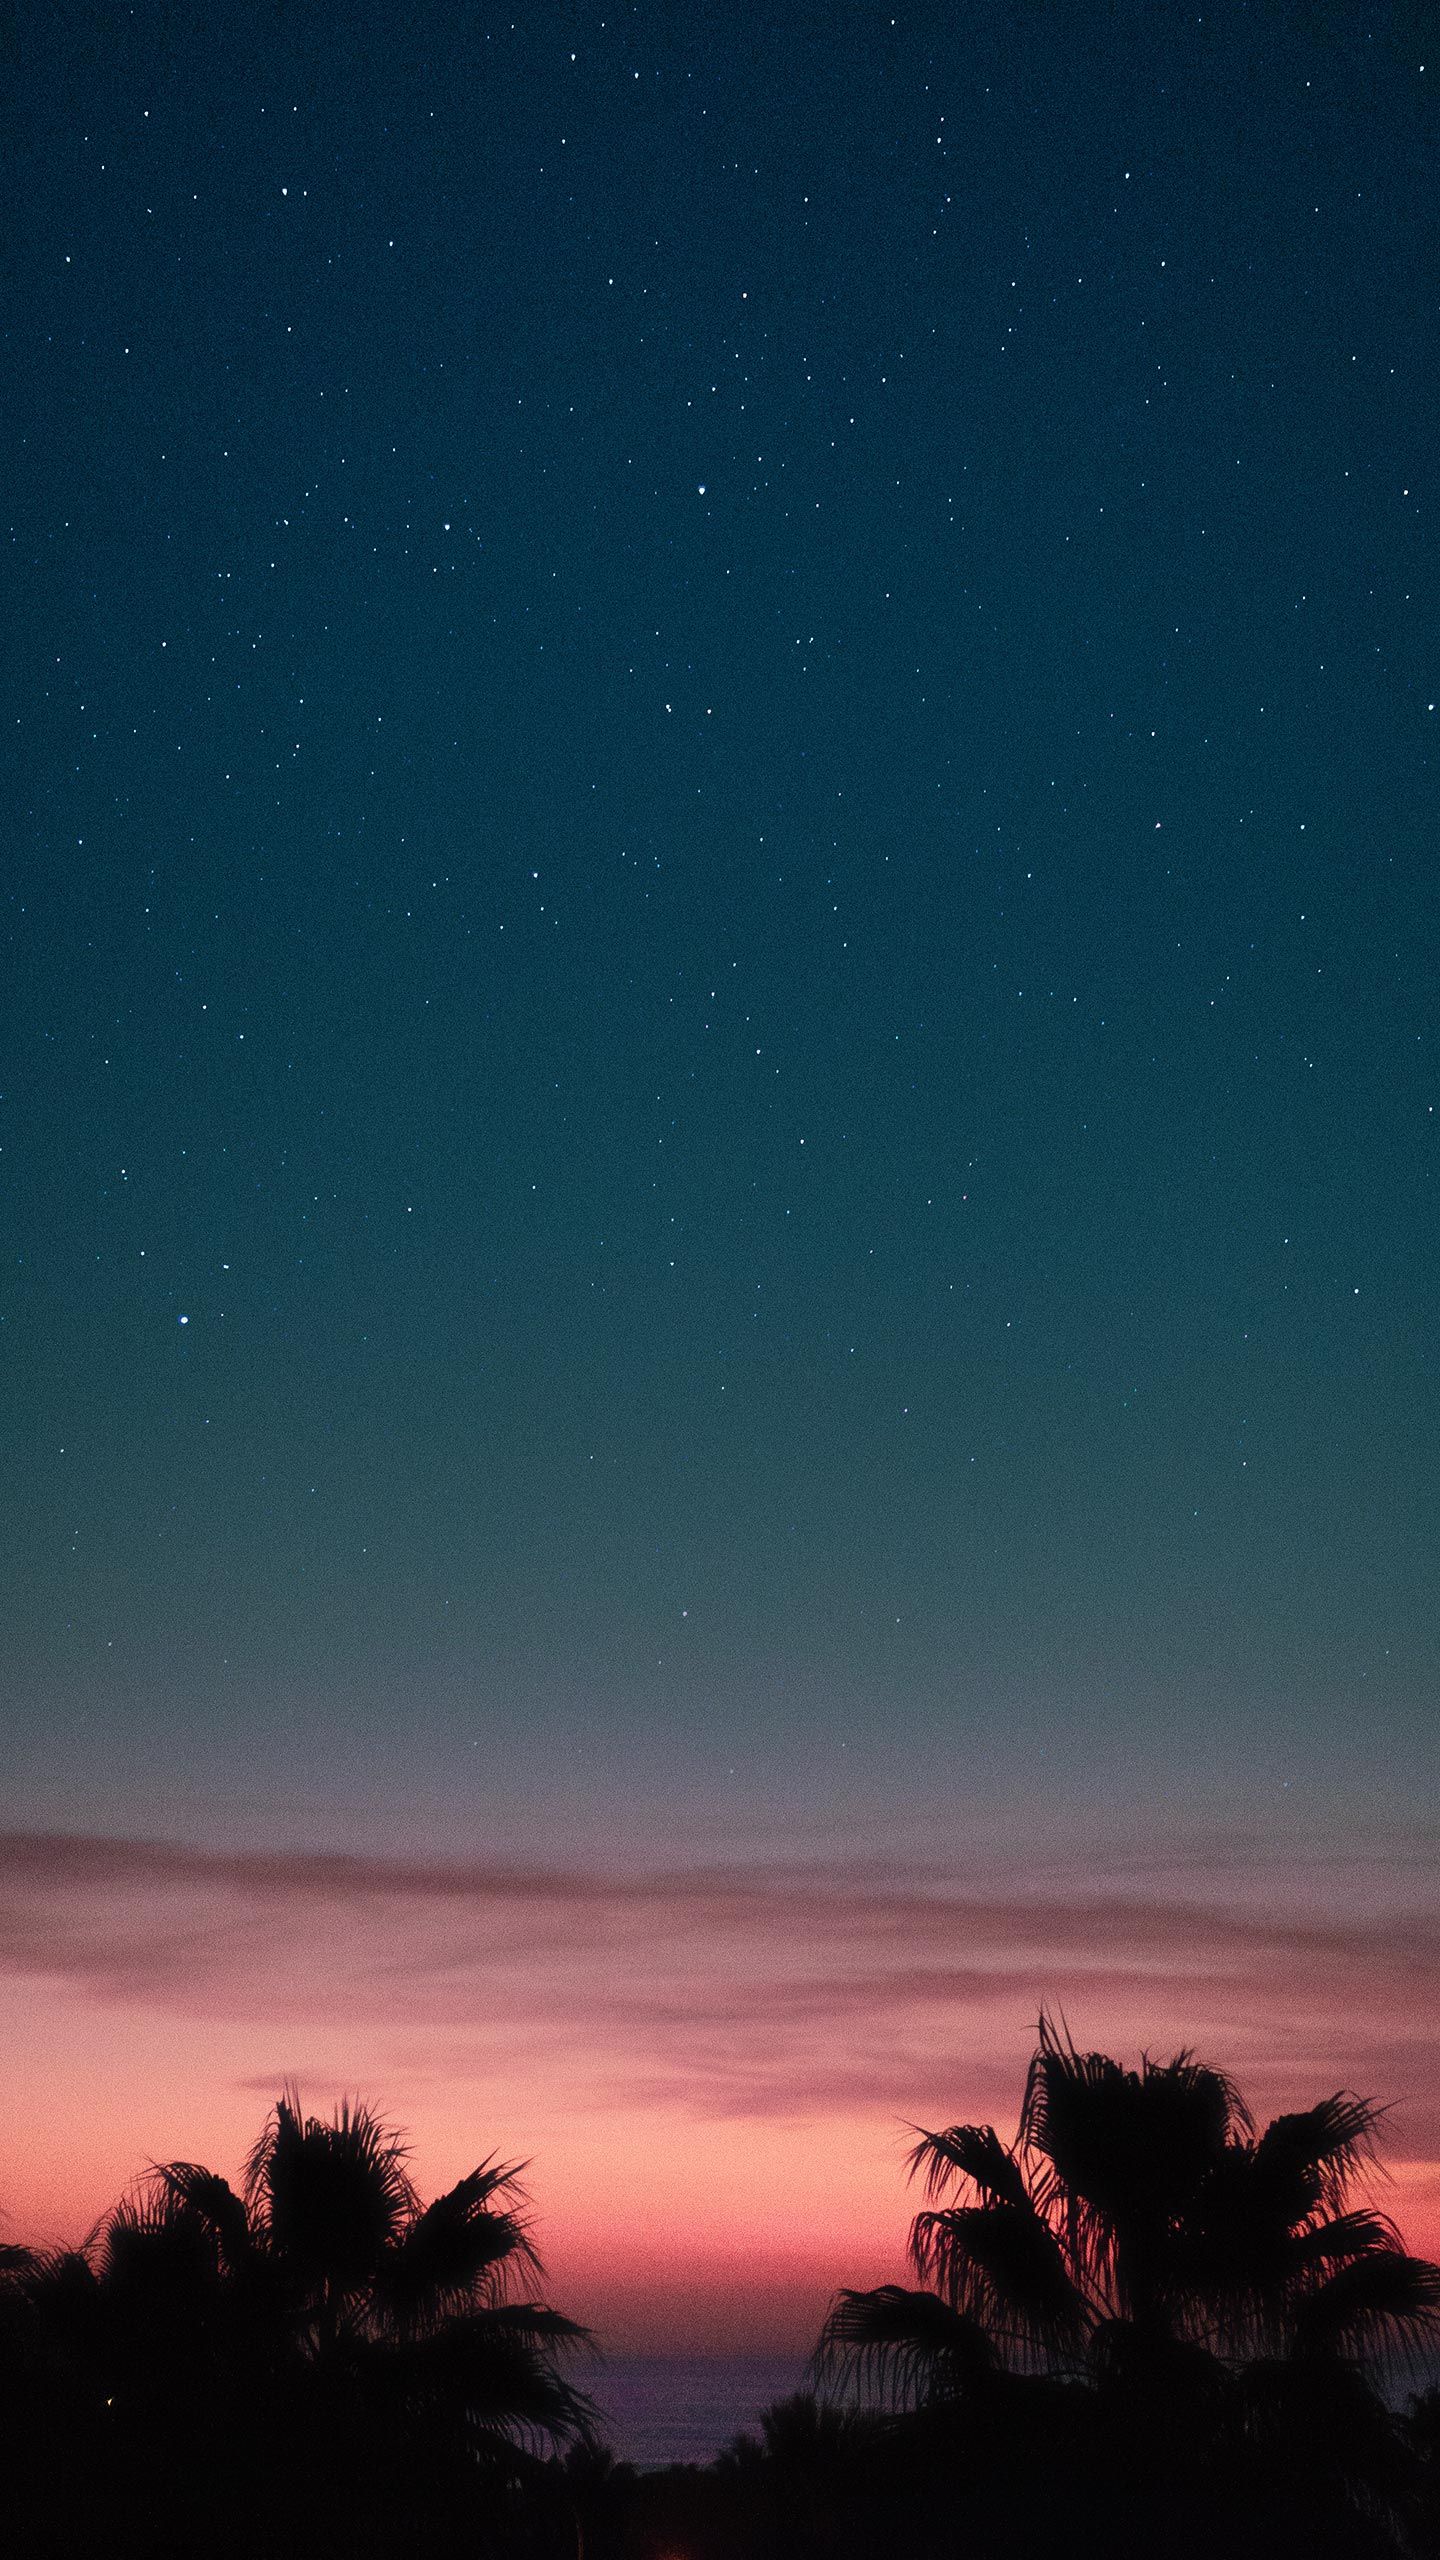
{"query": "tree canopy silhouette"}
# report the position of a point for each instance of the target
(1138, 2207)
(317, 2346)
(1144, 2279)
(1144, 2323)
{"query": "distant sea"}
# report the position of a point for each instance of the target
(660, 2409)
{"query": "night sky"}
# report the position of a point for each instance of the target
(720, 1101)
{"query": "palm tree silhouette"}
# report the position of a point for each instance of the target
(1147, 2310)
(317, 2345)
(1137, 2212)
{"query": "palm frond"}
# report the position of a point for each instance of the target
(159, 2267)
(1343, 2238)
(495, 2370)
(535, 2323)
(1001, 2265)
(905, 2348)
(1385, 2305)
(59, 2268)
(973, 2152)
(1320, 2150)
(461, 2250)
(215, 2203)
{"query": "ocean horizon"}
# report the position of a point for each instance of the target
(657, 2410)
(663, 2409)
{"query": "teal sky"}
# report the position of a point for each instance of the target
(720, 1107)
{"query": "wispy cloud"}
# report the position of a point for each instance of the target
(753, 1988)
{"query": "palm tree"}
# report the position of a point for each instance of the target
(314, 2359)
(427, 2305)
(1137, 2210)
(1143, 2290)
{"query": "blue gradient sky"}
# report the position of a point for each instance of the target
(720, 1109)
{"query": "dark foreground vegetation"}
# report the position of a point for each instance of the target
(1144, 2327)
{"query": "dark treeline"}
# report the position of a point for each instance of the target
(1145, 2326)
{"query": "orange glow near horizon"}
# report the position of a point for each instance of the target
(709, 2072)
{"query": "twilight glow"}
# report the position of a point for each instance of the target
(713, 2064)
